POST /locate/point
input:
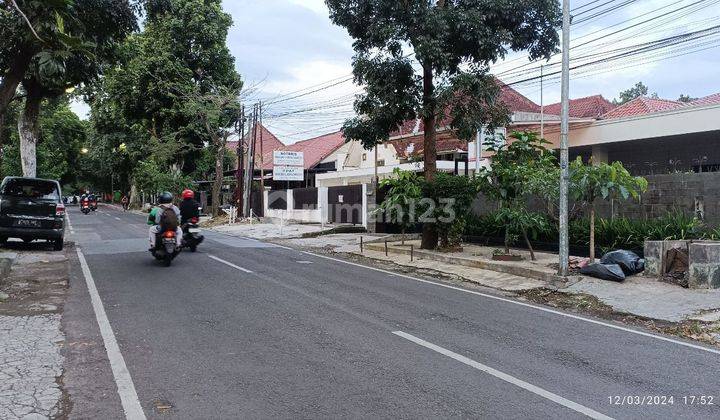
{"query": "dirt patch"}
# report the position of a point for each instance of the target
(216, 221)
(706, 332)
(37, 284)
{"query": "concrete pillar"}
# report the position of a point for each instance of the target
(323, 204)
(599, 154)
(290, 200)
(365, 205)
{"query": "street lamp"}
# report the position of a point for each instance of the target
(84, 150)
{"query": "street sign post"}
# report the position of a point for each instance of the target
(288, 166)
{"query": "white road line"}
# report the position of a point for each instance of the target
(126, 388)
(527, 305)
(505, 377)
(118, 219)
(228, 263)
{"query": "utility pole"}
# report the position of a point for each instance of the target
(250, 167)
(542, 105)
(262, 162)
(240, 159)
(564, 129)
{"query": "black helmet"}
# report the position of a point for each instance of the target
(165, 198)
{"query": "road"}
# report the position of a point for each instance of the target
(245, 329)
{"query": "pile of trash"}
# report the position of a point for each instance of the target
(615, 266)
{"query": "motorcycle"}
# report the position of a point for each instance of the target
(93, 205)
(166, 247)
(191, 235)
(85, 206)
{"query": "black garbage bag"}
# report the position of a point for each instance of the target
(627, 260)
(612, 272)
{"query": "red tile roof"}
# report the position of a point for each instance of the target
(589, 107)
(314, 150)
(513, 99)
(269, 144)
(642, 106)
(413, 146)
(708, 100)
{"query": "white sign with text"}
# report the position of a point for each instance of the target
(288, 173)
(283, 158)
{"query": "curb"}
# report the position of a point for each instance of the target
(553, 279)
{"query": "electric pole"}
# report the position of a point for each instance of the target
(564, 129)
(240, 160)
(542, 105)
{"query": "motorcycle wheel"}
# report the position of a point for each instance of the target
(193, 248)
(167, 260)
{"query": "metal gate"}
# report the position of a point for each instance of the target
(345, 204)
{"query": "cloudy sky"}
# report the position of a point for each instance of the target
(287, 48)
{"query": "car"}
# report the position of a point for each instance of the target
(30, 209)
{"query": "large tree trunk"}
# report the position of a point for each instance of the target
(429, 234)
(134, 200)
(10, 81)
(28, 130)
(217, 185)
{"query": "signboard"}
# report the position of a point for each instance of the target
(281, 158)
(288, 173)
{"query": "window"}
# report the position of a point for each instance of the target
(31, 188)
(364, 158)
(381, 162)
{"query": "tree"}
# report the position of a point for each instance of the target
(217, 111)
(53, 46)
(519, 169)
(404, 191)
(686, 98)
(447, 82)
(589, 182)
(60, 139)
(150, 101)
(634, 92)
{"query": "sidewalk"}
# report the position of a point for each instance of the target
(31, 340)
(638, 295)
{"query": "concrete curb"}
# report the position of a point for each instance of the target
(6, 262)
(552, 279)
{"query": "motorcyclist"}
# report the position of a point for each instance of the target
(188, 207)
(125, 202)
(165, 201)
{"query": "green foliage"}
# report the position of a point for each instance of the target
(62, 135)
(454, 42)
(603, 180)
(162, 102)
(153, 179)
(404, 191)
(519, 169)
(447, 202)
(634, 92)
(611, 234)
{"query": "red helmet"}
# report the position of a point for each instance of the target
(188, 194)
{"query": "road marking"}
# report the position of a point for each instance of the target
(228, 263)
(118, 219)
(67, 217)
(126, 388)
(505, 377)
(304, 262)
(527, 305)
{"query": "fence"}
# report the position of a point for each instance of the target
(342, 205)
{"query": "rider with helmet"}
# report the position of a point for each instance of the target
(189, 208)
(161, 218)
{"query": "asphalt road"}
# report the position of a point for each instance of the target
(244, 329)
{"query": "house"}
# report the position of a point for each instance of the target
(649, 135)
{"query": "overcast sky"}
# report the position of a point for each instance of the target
(282, 46)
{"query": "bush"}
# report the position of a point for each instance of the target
(610, 234)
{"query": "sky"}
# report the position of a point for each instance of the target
(285, 46)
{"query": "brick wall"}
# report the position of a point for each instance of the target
(691, 193)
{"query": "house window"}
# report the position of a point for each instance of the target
(364, 157)
(381, 162)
